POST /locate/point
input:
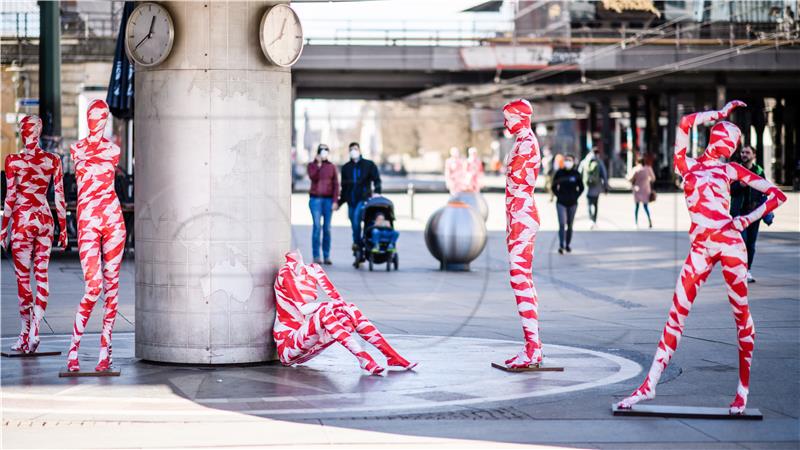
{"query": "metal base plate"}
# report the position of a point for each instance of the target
(107, 373)
(527, 369)
(687, 412)
(28, 355)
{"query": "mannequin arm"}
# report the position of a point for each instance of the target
(11, 198)
(61, 206)
(775, 197)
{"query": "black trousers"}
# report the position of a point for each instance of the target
(750, 234)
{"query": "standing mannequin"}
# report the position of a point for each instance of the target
(101, 231)
(715, 237)
(474, 170)
(28, 175)
(304, 327)
(455, 172)
(522, 223)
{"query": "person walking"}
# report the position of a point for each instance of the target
(745, 199)
(322, 201)
(567, 187)
(595, 178)
(642, 178)
(360, 178)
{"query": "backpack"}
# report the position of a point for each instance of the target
(593, 173)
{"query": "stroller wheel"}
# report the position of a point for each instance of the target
(369, 259)
(396, 261)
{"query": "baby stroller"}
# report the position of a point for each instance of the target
(373, 207)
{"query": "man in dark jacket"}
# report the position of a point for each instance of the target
(745, 199)
(567, 187)
(323, 197)
(360, 178)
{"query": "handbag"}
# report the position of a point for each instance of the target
(653, 195)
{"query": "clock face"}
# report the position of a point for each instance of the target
(149, 34)
(281, 35)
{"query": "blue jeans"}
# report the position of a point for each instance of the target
(354, 213)
(384, 235)
(321, 210)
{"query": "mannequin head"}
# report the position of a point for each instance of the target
(454, 152)
(473, 153)
(30, 128)
(723, 141)
(517, 114)
(97, 116)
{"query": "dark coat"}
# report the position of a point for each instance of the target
(359, 180)
(567, 186)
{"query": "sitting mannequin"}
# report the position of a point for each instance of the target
(304, 327)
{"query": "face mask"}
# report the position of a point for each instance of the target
(324, 155)
(354, 154)
(568, 165)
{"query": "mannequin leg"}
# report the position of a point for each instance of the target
(113, 251)
(326, 319)
(21, 252)
(734, 270)
(89, 249)
(41, 260)
(520, 252)
(694, 273)
(369, 332)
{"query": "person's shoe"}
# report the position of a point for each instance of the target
(354, 247)
(750, 278)
(317, 261)
(328, 262)
(560, 251)
(568, 249)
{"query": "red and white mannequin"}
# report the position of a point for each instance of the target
(455, 172)
(522, 223)
(715, 237)
(28, 175)
(101, 231)
(474, 170)
(303, 327)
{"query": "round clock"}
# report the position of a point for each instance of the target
(281, 36)
(149, 34)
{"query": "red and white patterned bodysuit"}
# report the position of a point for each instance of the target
(28, 175)
(522, 223)
(474, 169)
(715, 237)
(455, 172)
(303, 327)
(101, 231)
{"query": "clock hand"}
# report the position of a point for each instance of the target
(152, 23)
(142, 41)
(283, 27)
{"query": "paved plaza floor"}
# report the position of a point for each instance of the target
(602, 310)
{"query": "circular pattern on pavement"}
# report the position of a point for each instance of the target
(452, 372)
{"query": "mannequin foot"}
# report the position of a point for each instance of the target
(399, 361)
(738, 405)
(21, 345)
(372, 368)
(638, 395)
(522, 360)
(33, 345)
(73, 365)
(103, 366)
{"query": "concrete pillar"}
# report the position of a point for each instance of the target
(213, 138)
(672, 128)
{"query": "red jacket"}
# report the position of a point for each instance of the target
(324, 180)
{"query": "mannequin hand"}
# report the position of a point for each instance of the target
(62, 239)
(730, 106)
(3, 241)
(739, 223)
